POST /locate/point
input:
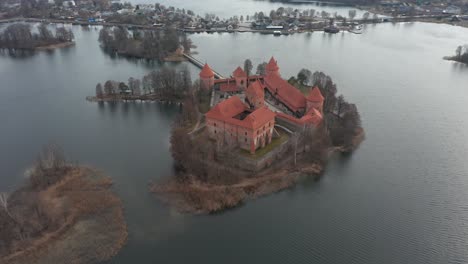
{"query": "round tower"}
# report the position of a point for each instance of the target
(315, 100)
(207, 77)
(272, 68)
(241, 78)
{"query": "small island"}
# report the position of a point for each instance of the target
(162, 45)
(461, 55)
(20, 36)
(259, 134)
(56, 215)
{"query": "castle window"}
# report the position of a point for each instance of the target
(214, 124)
(245, 139)
(215, 131)
(246, 133)
(242, 82)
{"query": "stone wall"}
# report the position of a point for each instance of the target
(255, 165)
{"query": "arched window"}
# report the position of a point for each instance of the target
(215, 131)
(215, 124)
(242, 82)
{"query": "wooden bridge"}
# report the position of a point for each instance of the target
(200, 65)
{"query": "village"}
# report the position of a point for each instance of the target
(282, 21)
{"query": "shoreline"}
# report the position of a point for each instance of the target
(56, 46)
(94, 208)
(195, 197)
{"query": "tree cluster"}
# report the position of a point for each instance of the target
(461, 54)
(20, 36)
(23, 216)
(165, 83)
(342, 118)
(147, 44)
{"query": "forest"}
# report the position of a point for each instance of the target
(166, 84)
(146, 44)
(21, 36)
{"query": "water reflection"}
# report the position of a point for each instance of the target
(17, 53)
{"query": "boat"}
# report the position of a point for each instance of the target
(356, 29)
(277, 33)
(331, 29)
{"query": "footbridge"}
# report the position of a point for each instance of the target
(200, 65)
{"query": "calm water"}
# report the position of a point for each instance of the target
(229, 8)
(401, 198)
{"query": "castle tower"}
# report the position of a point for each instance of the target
(207, 77)
(241, 78)
(315, 100)
(272, 68)
(255, 95)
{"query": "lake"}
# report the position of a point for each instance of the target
(401, 198)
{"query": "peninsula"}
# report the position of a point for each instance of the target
(55, 216)
(461, 55)
(260, 134)
(21, 37)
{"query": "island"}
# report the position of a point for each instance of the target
(461, 55)
(259, 134)
(163, 45)
(63, 213)
(20, 36)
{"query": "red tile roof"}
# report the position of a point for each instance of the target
(239, 73)
(206, 72)
(286, 93)
(260, 117)
(272, 65)
(313, 117)
(315, 95)
(229, 108)
(256, 88)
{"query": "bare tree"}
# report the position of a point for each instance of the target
(366, 16)
(99, 91)
(261, 68)
(352, 14)
(4, 202)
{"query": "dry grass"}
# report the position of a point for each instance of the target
(196, 197)
(93, 228)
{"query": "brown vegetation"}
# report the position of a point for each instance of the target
(165, 84)
(64, 213)
(20, 36)
(194, 196)
(148, 44)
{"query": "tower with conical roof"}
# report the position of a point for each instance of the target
(315, 100)
(207, 77)
(241, 78)
(272, 68)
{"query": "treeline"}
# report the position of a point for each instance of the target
(165, 84)
(20, 36)
(342, 119)
(461, 54)
(23, 216)
(147, 44)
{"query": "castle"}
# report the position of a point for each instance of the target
(250, 106)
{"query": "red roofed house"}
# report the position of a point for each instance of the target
(234, 122)
(207, 77)
(255, 95)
